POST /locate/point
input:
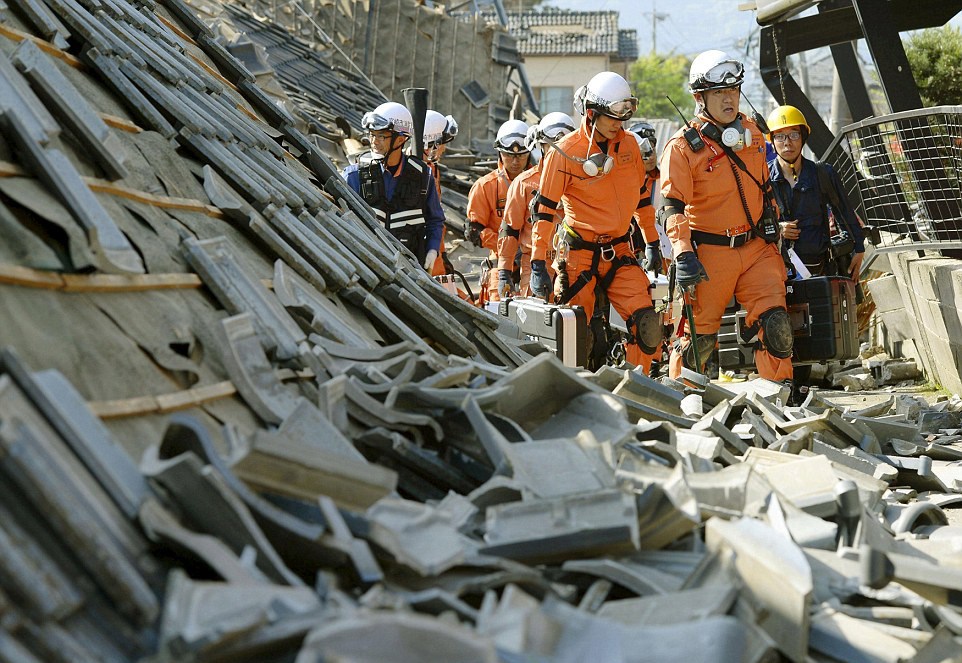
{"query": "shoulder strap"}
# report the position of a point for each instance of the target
(826, 185)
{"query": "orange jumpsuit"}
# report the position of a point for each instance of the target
(486, 201)
(438, 269)
(753, 272)
(595, 207)
(517, 228)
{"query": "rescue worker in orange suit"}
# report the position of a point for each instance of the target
(648, 144)
(720, 217)
(519, 225)
(439, 130)
(399, 188)
(488, 196)
(596, 177)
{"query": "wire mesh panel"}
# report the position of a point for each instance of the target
(902, 173)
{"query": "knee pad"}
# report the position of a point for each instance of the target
(705, 343)
(646, 329)
(778, 335)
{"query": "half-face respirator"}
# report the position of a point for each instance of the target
(597, 164)
(735, 135)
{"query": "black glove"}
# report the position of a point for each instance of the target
(688, 270)
(652, 261)
(504, 283)
(472, 233)
(540, 281)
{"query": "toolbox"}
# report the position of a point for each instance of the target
(822, 311)
(561, 329)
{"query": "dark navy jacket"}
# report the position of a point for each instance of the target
(433, 214)
(804, 204)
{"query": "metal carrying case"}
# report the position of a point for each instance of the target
(823, 316)
(562, 329)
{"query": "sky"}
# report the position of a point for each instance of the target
(687, 27)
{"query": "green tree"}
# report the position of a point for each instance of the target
(652, 77)
(935, 56)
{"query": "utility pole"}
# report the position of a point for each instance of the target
(655, 17)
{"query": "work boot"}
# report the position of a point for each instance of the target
(798, 393)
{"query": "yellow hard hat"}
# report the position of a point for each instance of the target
(787, 116)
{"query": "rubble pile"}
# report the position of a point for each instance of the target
(238, 423)
(441, 509)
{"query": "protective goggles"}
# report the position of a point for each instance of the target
(450, 131)
(554, 131)
(374, 122)
(645, 131)
(620, 110)
(647, 146)
(724, 74)
(511, 143)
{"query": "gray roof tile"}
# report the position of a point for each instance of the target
(564, 32)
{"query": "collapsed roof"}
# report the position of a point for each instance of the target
(237, 423)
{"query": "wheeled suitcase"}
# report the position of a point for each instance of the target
(823, 317)
(561, 329)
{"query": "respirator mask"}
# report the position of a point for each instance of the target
(597, 164)
(735, 136)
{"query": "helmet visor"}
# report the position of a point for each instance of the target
(513, 143)
(450, 130)
(621, 110)
(374, 122)
(728, 73)
(555, 131)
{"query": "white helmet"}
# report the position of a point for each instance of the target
(715, 70)
(390, 116)
(553, 126)
(450, 130)
(434, 126)
(609, 94)
(531, 142)
(644, 133)
(511, 137)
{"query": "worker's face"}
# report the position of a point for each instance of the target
(788, 143)
(434, 151)
(514, 163)
(650, 161)
(384, 141)
(722, 104)
(607, 127)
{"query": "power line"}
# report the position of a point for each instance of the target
(655, 17)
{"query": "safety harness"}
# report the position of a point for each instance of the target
(602, 247)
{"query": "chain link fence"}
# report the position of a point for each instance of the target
(902, 173)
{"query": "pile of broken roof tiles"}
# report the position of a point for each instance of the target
(358, 466)
(330, 95)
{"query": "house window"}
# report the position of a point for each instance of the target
(553, 99)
